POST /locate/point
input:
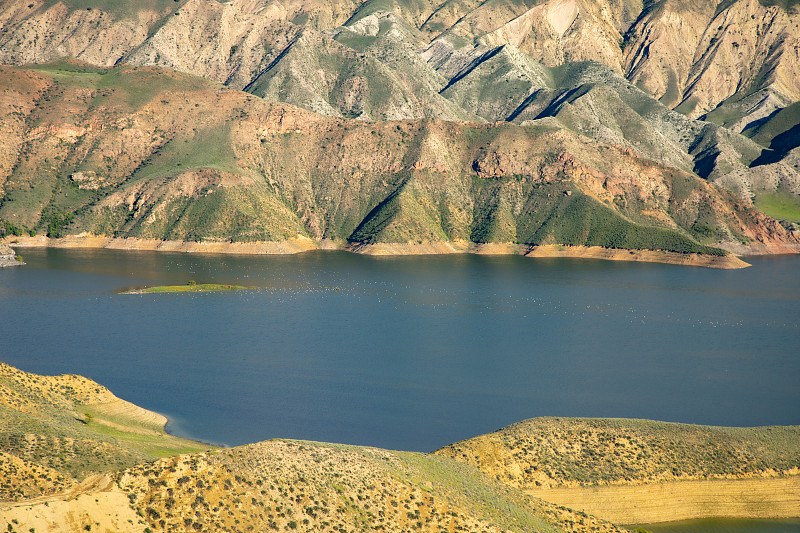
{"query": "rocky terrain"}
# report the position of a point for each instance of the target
(8, 257)
(538, 122)
(147, 153)
(74, 457)
(691, 54)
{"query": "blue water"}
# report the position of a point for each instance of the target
(725, 525)
(410, 353)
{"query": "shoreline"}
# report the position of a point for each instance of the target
(304, 244)
(8, 257)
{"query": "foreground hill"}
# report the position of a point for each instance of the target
(570, 452)
(153, 154)
(65, 427)
(57, 430)
(636, 471)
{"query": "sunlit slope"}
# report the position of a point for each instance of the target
(572, 452)
(73, 455)
(58, 428)
(690, 55)
(144, 152)
(323, 487)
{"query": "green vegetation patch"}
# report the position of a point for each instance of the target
(577, 220)
(764, 131)
(786, 5)
(779, 205)
(209, 148)
(190, 287)
(70, 68)
(150, 440)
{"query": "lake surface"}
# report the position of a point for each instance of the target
(725, 525)
(410, 353)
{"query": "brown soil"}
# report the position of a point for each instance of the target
(682, 500)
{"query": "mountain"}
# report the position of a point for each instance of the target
(563, 122)
(148, 153)
(694, 55)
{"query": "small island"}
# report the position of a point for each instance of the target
(190, 286)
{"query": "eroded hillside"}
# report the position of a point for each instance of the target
(149, 153)
(693, 54)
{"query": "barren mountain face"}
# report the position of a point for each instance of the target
(425, 122)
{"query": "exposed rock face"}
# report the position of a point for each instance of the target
(147, 153)
(7, 256)
(697, 54)
(620, 74)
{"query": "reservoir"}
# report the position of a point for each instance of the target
(410, 353)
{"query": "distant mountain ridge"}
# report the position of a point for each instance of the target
(694, 55)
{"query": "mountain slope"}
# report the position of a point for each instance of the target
(694, 55)
(142, 152)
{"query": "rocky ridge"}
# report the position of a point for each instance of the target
(152, 154)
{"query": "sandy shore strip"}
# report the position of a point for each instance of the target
(301, 244)
(682, 500)
(646, 256)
